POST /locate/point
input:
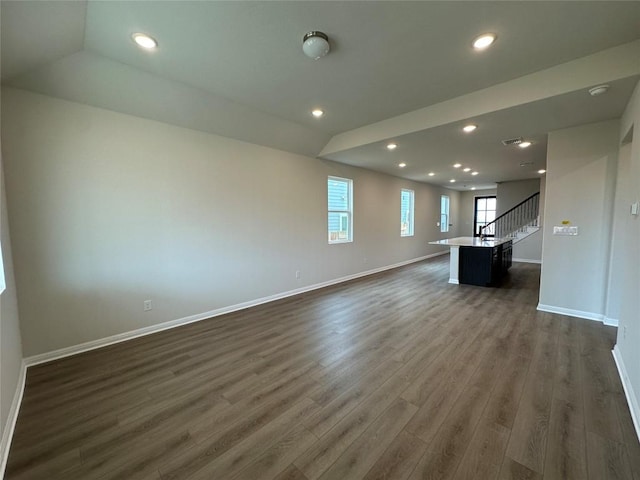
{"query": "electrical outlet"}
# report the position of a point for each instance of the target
(147, 305)
(298, 274)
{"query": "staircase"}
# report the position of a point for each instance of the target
(517, 223)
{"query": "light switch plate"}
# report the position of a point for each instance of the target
(564, 230)
(634, 208)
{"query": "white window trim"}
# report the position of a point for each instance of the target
(348, 213)
(411, 229)
(444, 226)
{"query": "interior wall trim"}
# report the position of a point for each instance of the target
(10, 425)
(527, 260)
(612, 322)
(632, 399)
(598, 317)
(123, 337)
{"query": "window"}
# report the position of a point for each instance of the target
(484, 212)
(444, 213)
(340, 202)
(406, 213)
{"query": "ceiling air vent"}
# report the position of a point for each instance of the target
(512, 141)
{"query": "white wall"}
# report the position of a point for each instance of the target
(627, 350)
(511, 194)
(580, 186)
(108, 210)
(10, 342)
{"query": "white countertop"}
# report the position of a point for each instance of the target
(470, 242)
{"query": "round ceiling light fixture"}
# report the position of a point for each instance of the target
(541, 171)
(402, 165)
(317, 112)
(431, 174)
(484, 41)
(599, 90)
(469, 128)
(392, 146)
(474, 173)
(145, 41)
(315, 45)
(524, 144)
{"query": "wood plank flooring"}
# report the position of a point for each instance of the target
(396, 376)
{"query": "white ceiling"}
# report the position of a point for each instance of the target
(237, 69)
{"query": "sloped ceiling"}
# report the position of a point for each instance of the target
(395, 72)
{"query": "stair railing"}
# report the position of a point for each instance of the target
(507, 225)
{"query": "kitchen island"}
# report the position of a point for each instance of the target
(476, 261)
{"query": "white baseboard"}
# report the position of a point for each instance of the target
(122, 337)
(598, 317)
(10, 425)
(632, 399)
(526, 260)
(612, 322)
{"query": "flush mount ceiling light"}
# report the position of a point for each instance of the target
(392, 146)
(599, 90)
(453, 180)
(524, 144)
(402, 165)
(431, 174)
(484, 41)
(317, 113)
(474, 173)
(469, 128)
(456, 165)
(315, 45)
(541, 171)
(145, 41)
(466, 169)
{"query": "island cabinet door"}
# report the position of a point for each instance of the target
(476, 265)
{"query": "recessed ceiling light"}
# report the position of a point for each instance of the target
(599, 90)
(473, 188)
(456, 165)
(144, 40)
(524, 144)
(474, 173)
(392, 146)
(317, 113)
(484, 40)
(469, 128)
(402, 165)
(431, 174)
(541, 171)
(453, 180)
(467, 169)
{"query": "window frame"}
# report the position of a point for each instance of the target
(411, 213)
(343, 213)
(476, 232)
(444, 224)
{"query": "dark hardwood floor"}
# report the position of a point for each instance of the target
(397, 376)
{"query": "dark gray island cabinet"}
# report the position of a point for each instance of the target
(474, 261)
